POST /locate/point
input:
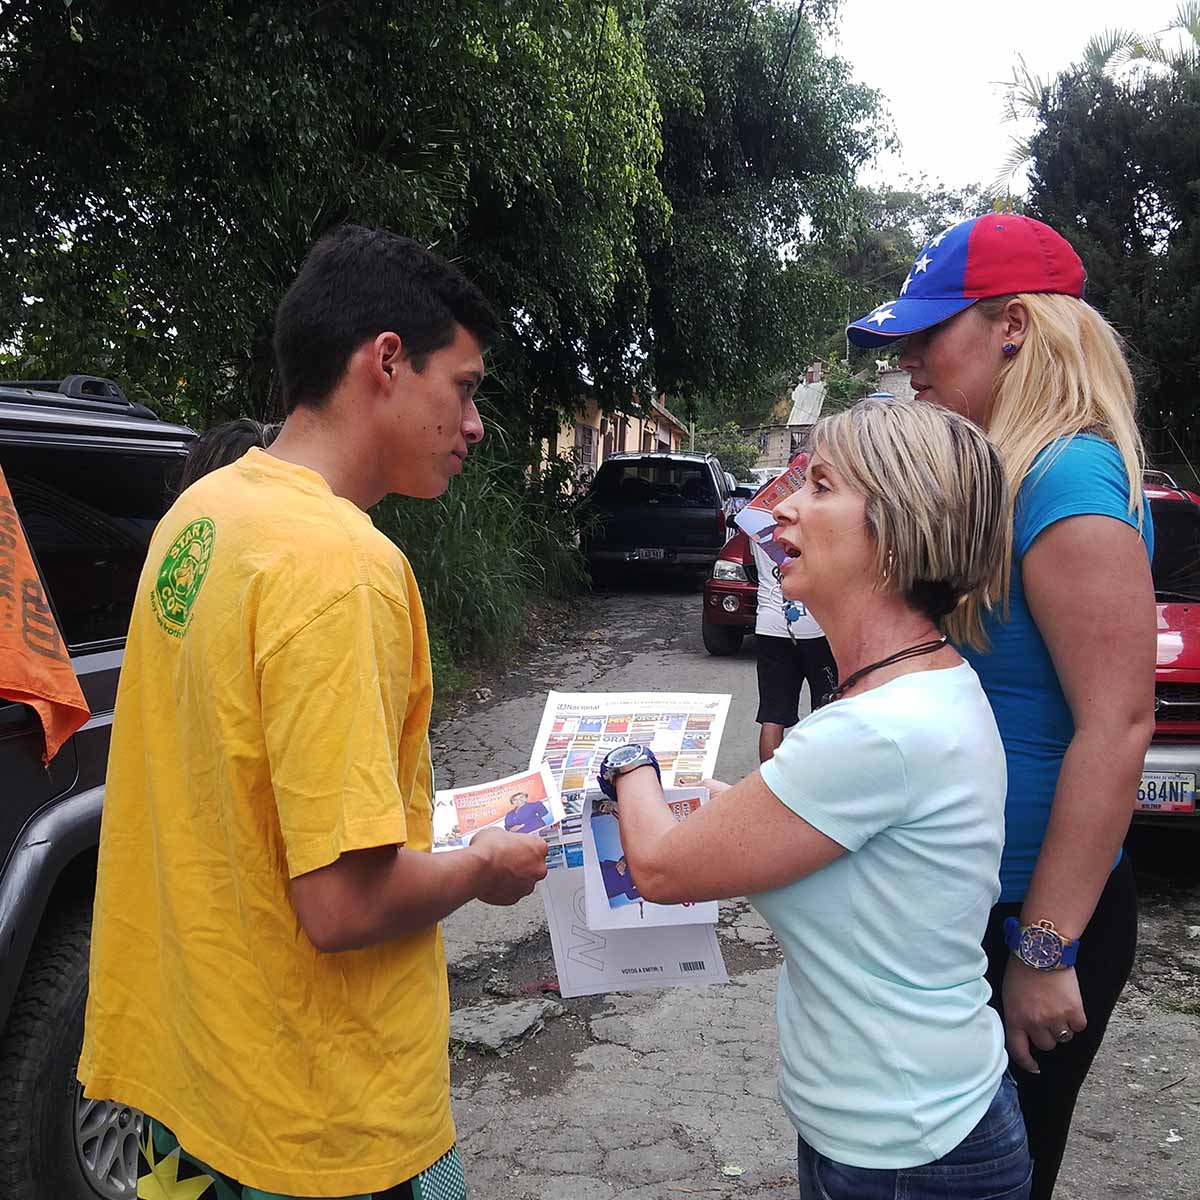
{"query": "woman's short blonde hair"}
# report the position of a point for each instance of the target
(937, 501)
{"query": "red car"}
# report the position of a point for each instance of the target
(1168, 786)
(730, 597)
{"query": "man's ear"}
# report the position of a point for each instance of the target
(387, 355)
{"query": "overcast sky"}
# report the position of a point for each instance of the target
(939, 62)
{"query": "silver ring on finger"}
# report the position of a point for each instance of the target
(1063, 1036)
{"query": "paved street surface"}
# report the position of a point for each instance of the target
(665, 1095)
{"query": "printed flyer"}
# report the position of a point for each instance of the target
(756, 519)
(589, 962)
(524, 803)
(579, 728)
(612, 898)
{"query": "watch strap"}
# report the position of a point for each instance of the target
(606, 782)
(1070, 953)
(1014, 933)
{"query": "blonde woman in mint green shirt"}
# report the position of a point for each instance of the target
(871, 840)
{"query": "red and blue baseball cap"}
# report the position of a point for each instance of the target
(999, 254)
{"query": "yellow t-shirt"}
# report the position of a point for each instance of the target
(273, 713)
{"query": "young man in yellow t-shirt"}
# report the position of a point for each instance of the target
(267, 977)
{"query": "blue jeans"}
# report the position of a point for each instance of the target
(991, 1163)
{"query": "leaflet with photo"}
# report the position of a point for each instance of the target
(524, 803)
(612, 897)
(756, 519)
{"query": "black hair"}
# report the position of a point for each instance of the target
(223, 444)
(934, 598)
(356, 283)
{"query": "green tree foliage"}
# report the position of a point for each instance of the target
(643, 187)
(762, 135)
(1116, 169)
(168, 166)
(844, 388)
(1118, 53)
(887, 228)
(737, 450)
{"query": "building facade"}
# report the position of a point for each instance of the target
(591, 435)
(781, 443)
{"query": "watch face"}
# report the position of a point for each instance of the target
(623, 755)
(1040, 948)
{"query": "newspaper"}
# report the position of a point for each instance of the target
(622, 960)
(524, 803)
(755, 518)
(612, 900)
(579, 728)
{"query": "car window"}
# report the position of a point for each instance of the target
(656, 481)
(88, 515)
(1176, 566)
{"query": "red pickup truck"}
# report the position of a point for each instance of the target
(1167, 792)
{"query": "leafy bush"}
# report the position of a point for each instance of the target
(844, 389)
(737, 451)
(478, 553)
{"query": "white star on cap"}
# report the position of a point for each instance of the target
(906, 285)
(922, 264)
(937, 241)
(881, 314)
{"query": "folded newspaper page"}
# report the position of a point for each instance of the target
(579, 728)
(755, 518)
(622, 960)
(524, 803)
(612, 898)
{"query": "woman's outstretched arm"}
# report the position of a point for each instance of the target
(742, 841)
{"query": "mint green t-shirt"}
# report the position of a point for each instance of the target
(889, 1052)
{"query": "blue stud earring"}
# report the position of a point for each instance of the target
(1009, 349)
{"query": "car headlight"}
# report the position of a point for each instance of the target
(724, 569)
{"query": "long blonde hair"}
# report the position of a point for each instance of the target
(1069, 377)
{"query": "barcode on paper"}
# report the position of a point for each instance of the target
(695, 965)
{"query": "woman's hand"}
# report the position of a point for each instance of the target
(1039, 1006)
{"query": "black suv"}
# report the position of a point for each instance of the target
(91, 474)
(661, 509)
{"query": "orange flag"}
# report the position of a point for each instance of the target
(35, 668)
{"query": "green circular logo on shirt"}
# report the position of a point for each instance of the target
(181, 574)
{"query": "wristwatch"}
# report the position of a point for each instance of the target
(622, 760)
(1040, 945)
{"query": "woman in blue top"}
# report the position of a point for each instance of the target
(871, 839)
(995, 328)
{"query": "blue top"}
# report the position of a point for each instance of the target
(1071, 477)
(617, 883)
(889, 1052)
(527, 818)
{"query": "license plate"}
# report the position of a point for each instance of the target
(656, 555)
(1167, 792)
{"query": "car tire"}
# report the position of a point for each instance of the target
(721, 639)
(54, 1144)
